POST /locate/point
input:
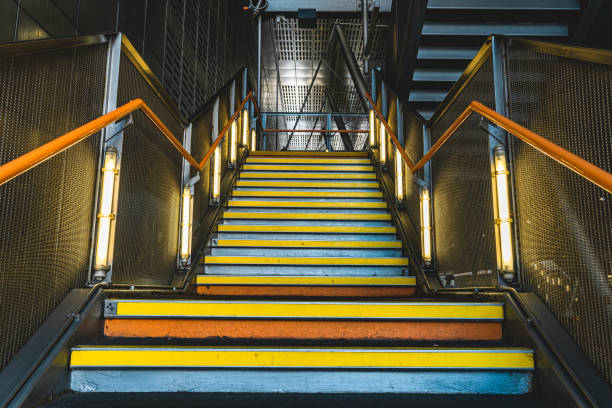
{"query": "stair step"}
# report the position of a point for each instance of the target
(256, 260)
(276, 320)
(256, 250)
(288, 193)
(306, 204)
(313, 167)
(308, 286)
(278, 243)
(306, 184)
(305, 160)
(307, 154)
(257, 370)
(306, 229)
(307, 175)
(306, 216)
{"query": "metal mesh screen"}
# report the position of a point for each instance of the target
(146, 234)
(564, 221)
(46, 214)
(462, 198)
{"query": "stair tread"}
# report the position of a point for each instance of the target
(269, 260)
(270, 280)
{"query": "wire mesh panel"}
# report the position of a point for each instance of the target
(462, 198)
(46, 214)
(564, 221)
(413, 144)
(146, 234)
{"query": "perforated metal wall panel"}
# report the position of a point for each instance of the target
(146, 236)
(462, 198)
(413, 144)
(564, 221)
(46, 214)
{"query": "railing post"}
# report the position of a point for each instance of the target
(505, 232)
(101, 259)
(328, 126)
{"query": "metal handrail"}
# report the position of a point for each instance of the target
(578, 165)
(23, 163)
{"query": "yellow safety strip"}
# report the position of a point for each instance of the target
(306, 216)
(303, 160)
(305, 280)
(304, 228)
(306, 168)
(282, 260)
(304, 184)
(357, 310)
(327, 176)
(281, 193)
(308, 244)
(305, 204)
(290, 358)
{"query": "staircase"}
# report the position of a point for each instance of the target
(453, 32)
(304, 290)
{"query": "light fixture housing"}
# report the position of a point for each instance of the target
(105, 213)
(503, 220)
(253, 140)
(372, 129)
(186, 221)
(383, 143)
(245, 127)
(399, 176)
(216, 174)
(425, 225)
(233, 142)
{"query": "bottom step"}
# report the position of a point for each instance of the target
(302, 370)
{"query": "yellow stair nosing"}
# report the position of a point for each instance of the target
(313, 176)
(306, 204)
(314, 167)
(260, 153)
(281, 193)
(306, 216)
(277, 243)
(293, 309)
(270, 260)
(307, 184)
(252, 357)
(306, 228)
(259, 280)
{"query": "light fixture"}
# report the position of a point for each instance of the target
(245, 127)
(186, 216)
(383, 143)
(233, 142)
(425, 225)
(399, 176)
(372, 129)
(503, 221)
(253, 140)
(216, 173)
(105, 213)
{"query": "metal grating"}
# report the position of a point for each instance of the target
(46, 214)
(413, 144)
(146, 235)
(462, 198)
(564, 221)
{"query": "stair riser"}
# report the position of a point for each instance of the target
(306, 291)
(302, 330)
(306, 176)
(300, 252)
(264, 210)
(346, 185)
(312, 199)
(316, 237)
(301, 381)
(288, 270)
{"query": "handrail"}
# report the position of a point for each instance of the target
(578, 165)
(27, 161)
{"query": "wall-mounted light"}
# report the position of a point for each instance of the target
(245, 127)
(216, 174)
(383, 143)
(233, 142)
(505, 256)
(372, 129)
(399, 176)
(105, 213)
(253, 140)
(425, 225)
(186, 218)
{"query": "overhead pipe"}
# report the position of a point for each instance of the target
(353, 67)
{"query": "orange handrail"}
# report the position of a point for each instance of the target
(578, 165)
(20, 165)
